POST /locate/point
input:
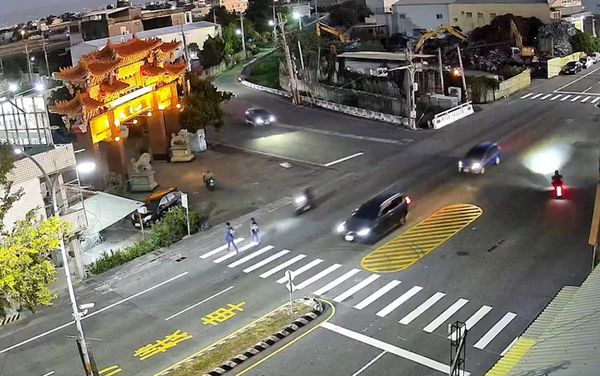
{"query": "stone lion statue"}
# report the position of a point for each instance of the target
(142, 164)
(181, 139)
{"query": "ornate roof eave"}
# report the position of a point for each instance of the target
(80, 104)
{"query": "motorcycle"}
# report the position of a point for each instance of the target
(210, 183)
(303, 204)
(558, 187)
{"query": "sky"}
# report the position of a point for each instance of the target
(16, 11)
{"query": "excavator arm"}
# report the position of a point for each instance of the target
(322, 27)
(434, 33)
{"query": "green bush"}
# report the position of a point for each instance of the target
(480, 86)
(171, 229)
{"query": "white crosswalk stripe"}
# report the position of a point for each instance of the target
(336, 282)
(377, 294)
(575, 98)
(422, 308)
(279, 267)
(399, 301)
(545, 96)
(565, 98)
(595, 100)
(219, 249)
(494, 331)
(526, 95)
(444, 316)
(353, 290)
(231, 254)
(585, 99)
(266, 261)
(318, 276)
(471, 321)
(301, 270)
(581, 98)
(250, 256)
(556, 97)
(537, 95)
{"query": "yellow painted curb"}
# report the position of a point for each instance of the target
(409, 247)
(9, 319)
(512, 357)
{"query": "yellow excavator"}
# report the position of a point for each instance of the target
(331, 30)
(443, 29)
(520, 52)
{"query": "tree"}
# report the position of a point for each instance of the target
(224, 17)
(25, 270)
(213, 52)
(349, 13)
(202, 106)
(259, 12)
(584, 42)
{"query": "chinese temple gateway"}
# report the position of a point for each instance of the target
(135, 83)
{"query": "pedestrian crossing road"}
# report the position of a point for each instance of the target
(370, 292)
(563, 97)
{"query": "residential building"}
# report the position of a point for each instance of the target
(24, 121)
(412, 17)
(470, 14)
(233, 5)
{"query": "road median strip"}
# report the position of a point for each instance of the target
(248, 341)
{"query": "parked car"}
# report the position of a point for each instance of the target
(586, 62)
(376, 217)
(259, 116)
(572, 67)
(156, 206)
(595, 56)
(479, 157)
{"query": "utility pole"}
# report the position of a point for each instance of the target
(28, 63)
(243, 35)
(185, 49)
(214, 18)
(413, 104)
(46, 57)
(441, 70)
(462, 75)
(300, 52)
(290, 65)
(458, 348)
(274, 23)
(316, 10)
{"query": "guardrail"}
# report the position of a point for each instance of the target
(451, 115)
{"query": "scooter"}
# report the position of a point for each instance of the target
(559, 189)
(303, 204)
(210, 183)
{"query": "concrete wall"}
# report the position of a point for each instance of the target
(555, 65)
(513, 84)
(470, 16)
(31, 200)
(407, 18)
(127, 27)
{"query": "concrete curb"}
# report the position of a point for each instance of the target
(260, 346)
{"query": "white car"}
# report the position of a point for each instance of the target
(586, 62)
(595, 56)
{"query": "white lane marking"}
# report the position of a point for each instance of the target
(403, 141)
(595, 100)
(537, 95)
(494, 331)
(422, 308)
(343, 159)
(359, 286)
(279, 267)
(565, 98)
(199, 303)
(336, 282)
(250, 256)
(318, 276)
(400, 300)
(556, 97)
(369, 364)
(301, 270)
(471, 321)
(409, 355)
(231, 254)
(507, 349)
(586, 90)
(266, 261)
(49, 373)
(585, 99)
(376, 295)
(575, 98)
(580, 78)
(444, 316)
(219, 249)
(545, 96)
(92, 314)
(526, 95)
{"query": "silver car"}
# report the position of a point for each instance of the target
(258, 116)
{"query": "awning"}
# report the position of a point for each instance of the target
(104, 210)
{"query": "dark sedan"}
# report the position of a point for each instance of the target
(376, 217)
(572, 67)
(258, 116)
(156, 206)
(479, 157)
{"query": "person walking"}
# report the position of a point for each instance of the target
(254, 231)
(230, 237)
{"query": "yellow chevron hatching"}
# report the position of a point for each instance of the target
(407, 248)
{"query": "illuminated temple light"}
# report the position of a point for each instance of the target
(178, 105)
(149, 113)
(135, 121)
(117, 139)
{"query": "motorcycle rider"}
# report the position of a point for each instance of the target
(207, 176)
(310, 197)
(557, 179)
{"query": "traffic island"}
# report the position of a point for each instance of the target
(249, 341)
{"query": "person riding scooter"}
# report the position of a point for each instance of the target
(557, 179)
(306, 201)
(209, 180)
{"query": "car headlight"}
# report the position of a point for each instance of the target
(300, 199)
(341, 227)
(271, 118)
(147, 218)
(259, 120)
(364, 232)
(460, 164)
(476, 165)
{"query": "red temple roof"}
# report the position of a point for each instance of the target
(177, 68)
(81, 102)
(151, 70)
(115, 87)
(166, 47)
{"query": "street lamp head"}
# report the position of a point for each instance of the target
(296, 15)
(271, 23)
(39, 86)
(238, 31)
(18, 150)
(33, 58)
(13, 87)
(86, 167)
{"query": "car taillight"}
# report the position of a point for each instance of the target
(408, 200)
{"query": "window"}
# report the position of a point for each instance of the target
(455, 20)
(492, 16)
(402, 16)
(479, 15)
(469, 15)
(439, 16)
(124, 30)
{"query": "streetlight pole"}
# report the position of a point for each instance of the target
(274, 23)
(63, 252)
(243, 35)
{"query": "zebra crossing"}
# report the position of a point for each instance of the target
(365, 291)
(562, 97)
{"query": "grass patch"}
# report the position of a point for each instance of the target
(266, 71)
(231, 346)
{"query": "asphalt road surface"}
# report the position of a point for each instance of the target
(497, 273)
